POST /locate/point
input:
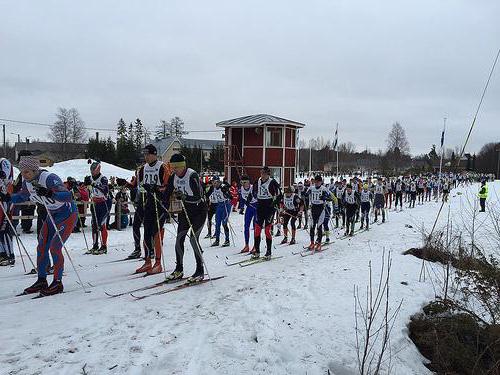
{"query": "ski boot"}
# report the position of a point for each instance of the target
(267, 256)
(145, 267)
(311, 246)
(102, 250)
(92, 250)
(352, 233)
(317, 246)
(8, 261)
(246, 249)
(209, 235)
(284, 241)
(176, 275)
(198, 276)
(55, 287)
(292, 241)
(37, 286)
(136, 254)
(156, 268)
(256, 254)
(226, 243)
(216, 243)
(327, 240)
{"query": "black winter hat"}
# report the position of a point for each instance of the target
(150, 149)
(177, 158)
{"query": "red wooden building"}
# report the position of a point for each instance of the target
(252, 142)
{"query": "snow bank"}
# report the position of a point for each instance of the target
(79, 168)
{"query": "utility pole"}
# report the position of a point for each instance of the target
(4, 143)
(498, 161)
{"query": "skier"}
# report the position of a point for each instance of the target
(138, 199)
(339, 193)
(7, 257)
(184, 184)
(378, 201)
(413, 193)
(47, 188)
(350, 200)
(318, 197)
(303, 194)
(220, 198)
(250, 209)
(211, 208)
(399, 187)
(366, 196)
(446, 189)
(99, 208)
(420, 190)
(292, 206)
(268, 193)
(151, 180)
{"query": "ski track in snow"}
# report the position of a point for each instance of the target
(290, 316)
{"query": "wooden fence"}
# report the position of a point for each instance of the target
(87, 213)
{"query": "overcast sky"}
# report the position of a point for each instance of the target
(363, 64)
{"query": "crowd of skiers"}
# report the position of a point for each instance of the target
(164, 192)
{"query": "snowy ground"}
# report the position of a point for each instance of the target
(289, 316)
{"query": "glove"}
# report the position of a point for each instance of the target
(179, 194)
(4, 197)
(43, 191)
(2, 175)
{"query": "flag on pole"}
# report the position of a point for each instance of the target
(336, 137)
(442, 138)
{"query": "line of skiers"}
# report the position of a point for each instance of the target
(163, 192)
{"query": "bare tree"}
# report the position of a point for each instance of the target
(347, 148)
(69, 127)
(77, 126)
(374, 321)
(60, 131)
(397, 139)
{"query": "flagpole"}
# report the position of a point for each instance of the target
(310, 157)
(337, 147)
(442, 148)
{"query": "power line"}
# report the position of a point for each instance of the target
(92, 128)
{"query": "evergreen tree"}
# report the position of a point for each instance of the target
(163, 130)
(216, 159)
(138, 135)
(177, 127)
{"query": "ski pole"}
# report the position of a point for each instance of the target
(233, 233)
(94, 216)
(160, 236)
(49, 215)
(18, 239)
(198, 246)
(81, 224)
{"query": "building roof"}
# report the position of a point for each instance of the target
(164, 144)
(258, 120)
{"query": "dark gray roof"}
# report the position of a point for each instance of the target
(259, 120)
(205, 144)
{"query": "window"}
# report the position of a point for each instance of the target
(276, 174)
(274, 137)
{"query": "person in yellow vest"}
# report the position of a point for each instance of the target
(483, 194)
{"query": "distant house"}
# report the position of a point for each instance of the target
(49, 152)
(172, 145)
